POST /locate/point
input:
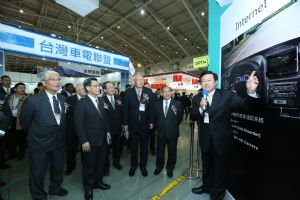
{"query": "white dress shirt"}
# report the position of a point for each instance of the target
(57, 116)
(94, 101)
(164, 105)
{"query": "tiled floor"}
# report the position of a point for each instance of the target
(123, 186)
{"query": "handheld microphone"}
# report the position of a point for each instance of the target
(204, 94)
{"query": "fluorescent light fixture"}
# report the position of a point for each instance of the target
(21, 11)
(82, 8)
(142, 11)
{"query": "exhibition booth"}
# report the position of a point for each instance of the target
(179, 81)
(261, 36)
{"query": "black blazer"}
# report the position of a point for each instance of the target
(169, 125)
(2, 91)
(115, 116)
(5, 114)
(91, 126)
(132, 115)
(72, 101)
(38, 120)
(219, 128)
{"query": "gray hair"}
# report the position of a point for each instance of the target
(46, 74)
(136, 75)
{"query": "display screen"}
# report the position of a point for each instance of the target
(283, 63)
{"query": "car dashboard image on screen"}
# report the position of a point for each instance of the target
(277, 69)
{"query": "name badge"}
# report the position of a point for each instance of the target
(206, 118)
(142, 107)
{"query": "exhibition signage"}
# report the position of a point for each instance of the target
(200, 62)
(26, 42)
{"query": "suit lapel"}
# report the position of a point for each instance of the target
(91, 105)
(62, 105)
(48, 107)
(215, 101)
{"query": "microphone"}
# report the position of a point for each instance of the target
(204, 94)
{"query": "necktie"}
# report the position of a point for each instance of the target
(166, 109)
(139, 94)
(7, 90)
(112, 102)
(56, 106)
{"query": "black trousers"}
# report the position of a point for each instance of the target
(16, 140)
(93, 163)
(115, 147)
(215, 171)
(72, 146)
(172, 152)
(152, 136)
(2, 149)
(137, 138)
(38, 164)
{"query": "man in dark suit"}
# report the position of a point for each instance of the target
(69, 90)
(116, 115)
(43, 118)
(5, 85)
(138, 109)
(152, 132)
(92, 127)
(72, 139)
(5, 122)
(168, 115)
(215, 132)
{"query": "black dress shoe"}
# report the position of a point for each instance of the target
(199, 190)
(2, 183)
(132, 171)
(61, 192)
(5, 166)
(88, 195)
(170, 173)
(144, 171)
(157, 171)
(68, 172)
(102, 186)
(118, 166)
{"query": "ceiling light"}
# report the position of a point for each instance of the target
(59, 37)
(176, 52)
(43, 58)
(145, 51)
(142, 11)
(102, 37)
(97, 47)
(202, 13)
(185, 39)
(144, 37)
(69, 26)
(69, 63)
(198, 47)
(168, 28)
(21, 11)
(126, 45)
(139, 65)
(162, 46)
(118, 26)
(19, 26)
(53, 35)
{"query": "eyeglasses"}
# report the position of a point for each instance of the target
(97, 86)
(53, 79)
